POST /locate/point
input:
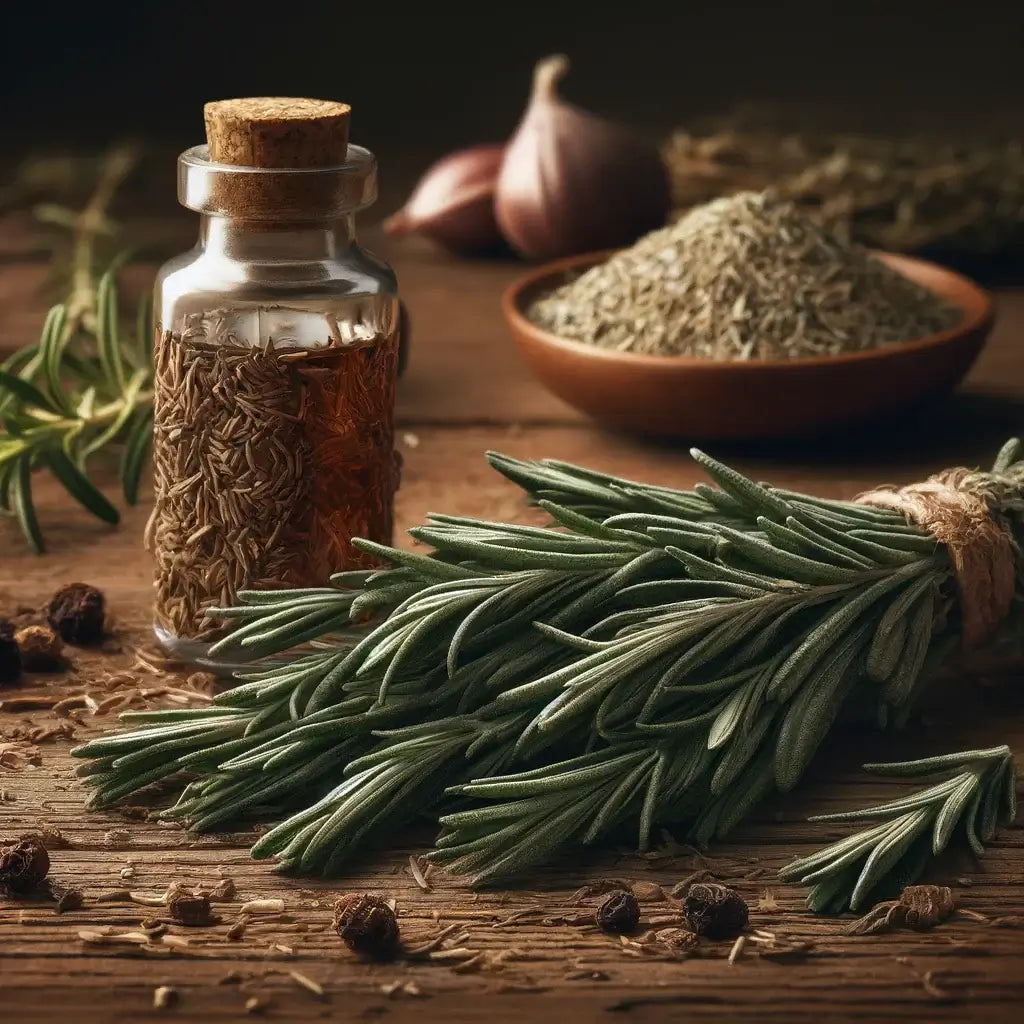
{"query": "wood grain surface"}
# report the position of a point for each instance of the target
(533, 951)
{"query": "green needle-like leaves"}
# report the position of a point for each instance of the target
(654, 656)
(69, 397)
(978, 795)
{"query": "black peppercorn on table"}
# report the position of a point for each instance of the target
(529, 952)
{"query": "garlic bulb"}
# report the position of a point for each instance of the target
(572, 182)
(453, 204)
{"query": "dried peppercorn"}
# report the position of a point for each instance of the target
(190, 908)
(10, 654)
(41, 649)
(715, 910)
(367, 924)
(618, 913)
(24, 865)
(76, 612)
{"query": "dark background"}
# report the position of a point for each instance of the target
(443, 74)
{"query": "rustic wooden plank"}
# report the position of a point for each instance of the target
(45, 970)
(465, 392)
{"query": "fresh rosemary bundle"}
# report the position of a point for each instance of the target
(659, 656)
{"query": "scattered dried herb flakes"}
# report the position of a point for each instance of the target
(274, 906)
(919, 907)
(50, 836)
(286, 475)
(775, 946)
(314, 988)
(191, 909)
(619, 913)
(41, 649)
(117, 837)
(23, 865)
(68, 899)
(223, 890)
(397, 989)
(77, 612)
(165, 997)
(715, 911)
(18, 755)
(749, 276)
(680, 940)
(366, 924)
(648, 892)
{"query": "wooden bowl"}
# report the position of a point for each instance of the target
(672, 396)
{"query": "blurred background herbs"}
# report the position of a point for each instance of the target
(85, 384)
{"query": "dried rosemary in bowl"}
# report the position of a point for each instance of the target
(750, 276)
(659, 656)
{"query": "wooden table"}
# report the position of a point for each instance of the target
(465, 392)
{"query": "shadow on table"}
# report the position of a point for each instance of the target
(964, 428)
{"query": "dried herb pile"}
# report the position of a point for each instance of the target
(905, 195)
(660, 656)
(750, 276)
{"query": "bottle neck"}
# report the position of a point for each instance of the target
(256, 242)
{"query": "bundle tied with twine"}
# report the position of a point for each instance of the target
(653, 657)
(954, 507)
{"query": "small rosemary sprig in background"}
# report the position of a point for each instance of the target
(86, 384)
(68, 397)
(978, 795)
(93, 237)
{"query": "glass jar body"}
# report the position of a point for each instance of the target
(276, 356)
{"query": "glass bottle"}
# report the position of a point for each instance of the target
(275, 356)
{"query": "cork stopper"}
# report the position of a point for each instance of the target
(277, 131)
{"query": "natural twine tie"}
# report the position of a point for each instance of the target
(952, 507)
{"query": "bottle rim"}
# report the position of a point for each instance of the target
(276, 193)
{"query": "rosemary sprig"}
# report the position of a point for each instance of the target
(86, 384)
(68, 397)
(94, 236)
(978, 794)
(656, 656)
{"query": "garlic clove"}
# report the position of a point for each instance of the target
(573, 182)
(453, 204)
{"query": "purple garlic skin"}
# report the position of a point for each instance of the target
(453, 203)
(573, 182)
